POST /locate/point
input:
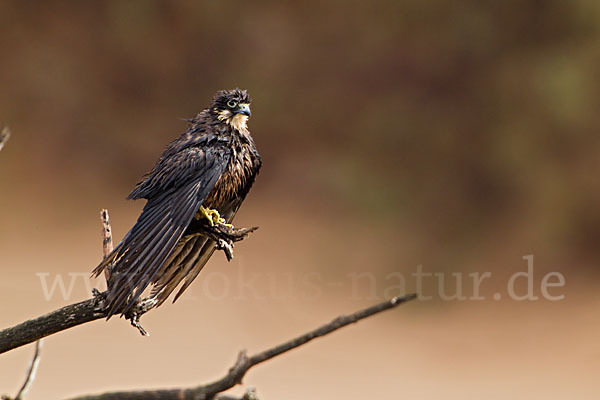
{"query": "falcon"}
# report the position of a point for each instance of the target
(201, 178)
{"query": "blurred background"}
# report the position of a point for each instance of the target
(454, 137)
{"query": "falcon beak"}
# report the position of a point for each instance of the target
(244, 109)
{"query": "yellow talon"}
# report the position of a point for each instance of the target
(212, 216)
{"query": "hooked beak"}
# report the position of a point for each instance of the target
(244, 109)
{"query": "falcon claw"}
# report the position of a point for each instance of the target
(212, 216)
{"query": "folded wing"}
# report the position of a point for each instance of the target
(175, 189)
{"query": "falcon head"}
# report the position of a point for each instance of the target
(232, 107)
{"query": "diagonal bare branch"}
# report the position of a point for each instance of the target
(53, 322)
(244, 363)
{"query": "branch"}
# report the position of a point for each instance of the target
(107, 242)
(31, 372)
(56, 321)
(96, 308)
(226, 236)
(244, 363)
(4, 135)
(35, 361)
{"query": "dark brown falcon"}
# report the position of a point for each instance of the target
(202, 177)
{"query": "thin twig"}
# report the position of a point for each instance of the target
(4, 135)
(107, 241)
(244, 363)
(35, 361)
(31, 372)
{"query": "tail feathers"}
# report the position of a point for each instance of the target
(143, 260)
(196, 255)
(195, 267)
(183, 264)
(174, 266)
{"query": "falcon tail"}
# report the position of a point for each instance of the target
(183, 265)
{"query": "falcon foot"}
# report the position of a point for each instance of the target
(212, 216)
(225, 236)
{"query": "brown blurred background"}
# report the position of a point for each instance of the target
(459, 136)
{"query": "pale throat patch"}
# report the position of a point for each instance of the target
(238, 121)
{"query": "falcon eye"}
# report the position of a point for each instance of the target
(231, 103)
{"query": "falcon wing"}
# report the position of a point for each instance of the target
(175, 189)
